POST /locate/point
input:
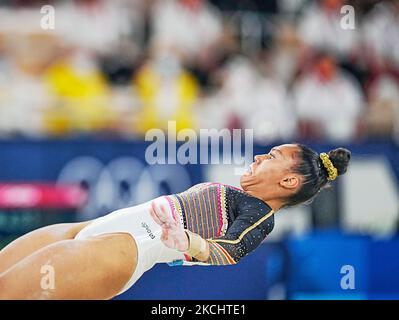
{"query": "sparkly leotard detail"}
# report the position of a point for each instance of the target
(233, 222)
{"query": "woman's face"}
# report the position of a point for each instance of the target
(271, 175)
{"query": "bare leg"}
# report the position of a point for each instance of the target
(35, 240)
(94, 268)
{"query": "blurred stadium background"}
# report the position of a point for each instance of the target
(77, 100)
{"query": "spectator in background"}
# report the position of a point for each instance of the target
(329, 102)
(23, 93)
(186, 26)
(99, 25)
(230, 104)
(382, 118)
(166, 92)
(381, 36)
(251, 99)
(270, 115)
(80, 95)
(320, 29)
(287, 52)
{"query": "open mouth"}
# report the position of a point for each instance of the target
(250, 170)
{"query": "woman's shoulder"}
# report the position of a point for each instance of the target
(256, 212)
(251, 206)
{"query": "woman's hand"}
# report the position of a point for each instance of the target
(173, 235)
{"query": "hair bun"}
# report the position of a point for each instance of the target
(340, 158)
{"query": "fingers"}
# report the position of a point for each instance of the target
(166, 217)
(154, 215)
(165, 234)
(161, 215)
(170, 228)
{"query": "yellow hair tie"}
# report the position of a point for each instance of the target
(332, 171)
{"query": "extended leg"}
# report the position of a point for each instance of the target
(35, 240)
(95, 268)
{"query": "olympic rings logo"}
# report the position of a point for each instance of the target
(123, 182)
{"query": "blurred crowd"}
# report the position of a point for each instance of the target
(286, 68)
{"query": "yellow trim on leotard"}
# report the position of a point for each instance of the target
(245, 231)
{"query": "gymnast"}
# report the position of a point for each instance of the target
(208, 224)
